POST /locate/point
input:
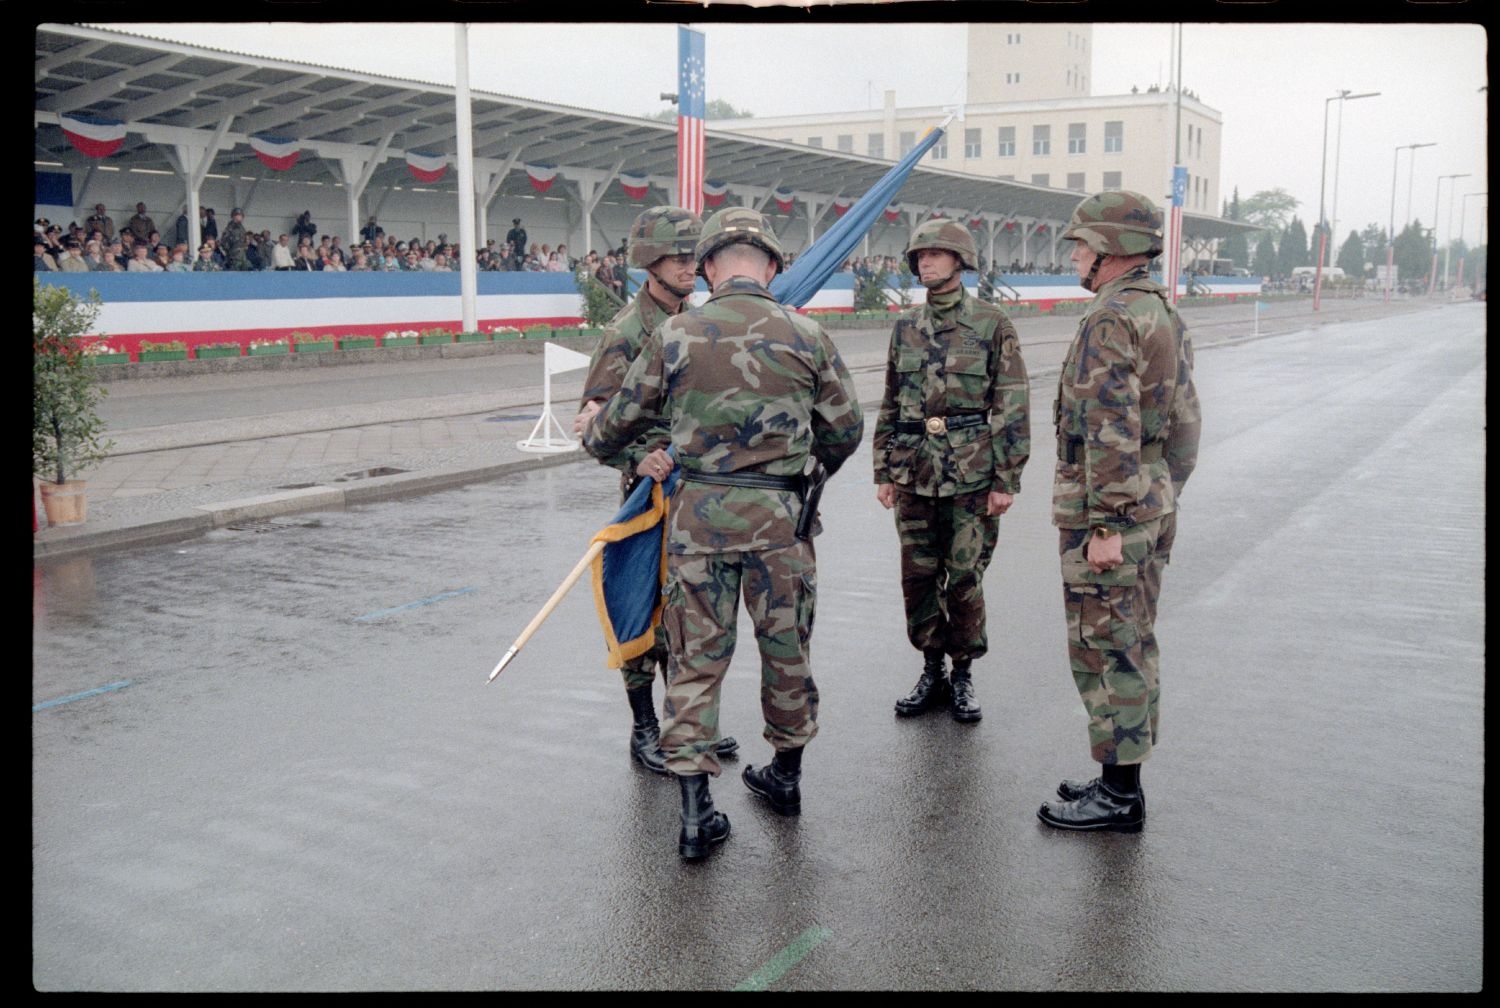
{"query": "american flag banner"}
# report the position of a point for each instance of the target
(93, 136)
(1174, 231)
(690, 113)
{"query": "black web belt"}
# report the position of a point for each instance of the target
(941, 425)
(746, 478)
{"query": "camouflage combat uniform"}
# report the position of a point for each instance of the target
(619, 345)
(234, 242)
(953, 357)
(1127, 422)
(746, 386)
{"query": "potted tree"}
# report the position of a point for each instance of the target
(67, 435)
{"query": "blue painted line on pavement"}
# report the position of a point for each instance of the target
(79, 696)
(782, 962)
(412, 605)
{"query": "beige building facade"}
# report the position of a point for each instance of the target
(1031, 117)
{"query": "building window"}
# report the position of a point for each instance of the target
(1007, 141)
(940, 149)
(1013, 78)
(1041, 179)
(972, 143)
(1112, 180)
(846, 143)
(815, 141)
(1006, 178)
(1075, 180)
(1041, 140)
(876, 145)
(1077, 138)
(908, 140)
(1114, 136)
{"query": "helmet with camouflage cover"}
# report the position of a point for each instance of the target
(738, 224)
(663, 231)
(946, 234)
(1117, 222)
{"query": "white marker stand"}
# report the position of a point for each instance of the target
(555, 360)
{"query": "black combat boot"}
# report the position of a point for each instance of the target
(702, 827)
(931, 689)
(779, 782)
(964, 707)
(645, 734)
(1113, 801)
(726, 746)
(1072, 790)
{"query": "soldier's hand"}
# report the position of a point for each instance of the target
(1105, 552)
(885, 495)
(998, 503)
(657, 465)
(585, 416)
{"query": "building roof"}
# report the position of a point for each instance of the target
(167, 92)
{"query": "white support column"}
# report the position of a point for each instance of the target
(464, 121)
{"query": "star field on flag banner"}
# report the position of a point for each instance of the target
(690, 113)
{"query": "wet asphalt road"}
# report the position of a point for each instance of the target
(294, 777)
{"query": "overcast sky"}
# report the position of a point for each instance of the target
(1269, 81)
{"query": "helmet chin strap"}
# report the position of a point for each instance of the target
(1088, 281)
(680, 292)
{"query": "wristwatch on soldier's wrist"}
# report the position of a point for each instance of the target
(1104, 531)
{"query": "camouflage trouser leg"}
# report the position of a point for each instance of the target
(946, 546)
(1151, 574)
(641, 671)
(1110, 620)
(703, 592)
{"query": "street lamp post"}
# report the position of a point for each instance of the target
(1323, 226)
(1436, 205)
(1390, 238)
(1463, 210)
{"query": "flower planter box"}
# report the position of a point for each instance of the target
(395, 341)
(534, 334)
(497, 336)
(206, 352)
(266, 351)
(429, 340)
(161, 355)
(592, 332)
(566, 332)
(110, 358)
(320, 346)
(473, 337)
(357, 343)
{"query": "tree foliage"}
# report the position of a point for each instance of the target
(67, 435)
(716, 109)
(599, 302)
(1292, 251)
(1352, 256)
(1265, 258)
(1269, 209)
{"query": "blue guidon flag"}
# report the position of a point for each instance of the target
(629, 572)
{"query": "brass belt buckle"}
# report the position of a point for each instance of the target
(937, 425)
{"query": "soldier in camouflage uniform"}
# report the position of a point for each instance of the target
(749, 391)
(234, 242)
(1127, 439)
(662, 242)
(953, 434)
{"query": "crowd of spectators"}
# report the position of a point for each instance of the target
(139, 247)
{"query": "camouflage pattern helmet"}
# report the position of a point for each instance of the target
(1117, 222)
(738, 224)
(663, 231)
(946, 234)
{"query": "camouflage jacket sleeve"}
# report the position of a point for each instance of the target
(618, 347)
(1010, 409)
(1184, 420)
(838, 424)
(635, 410)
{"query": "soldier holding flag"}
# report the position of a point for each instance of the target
(749, 390)
(662, 242)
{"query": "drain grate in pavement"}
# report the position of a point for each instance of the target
(367, 473)
(272, 524)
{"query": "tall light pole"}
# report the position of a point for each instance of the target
(1437, 203)
(1463, 210)
(1390, 238)
(1323, 226)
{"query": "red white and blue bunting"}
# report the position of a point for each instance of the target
(784, 199)
(892, 213)
(425, 167)
(714, 192)
(975, 223)
(93, 136)
(841, 205)
(276, 153)
(541, 176)
(635, 186)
